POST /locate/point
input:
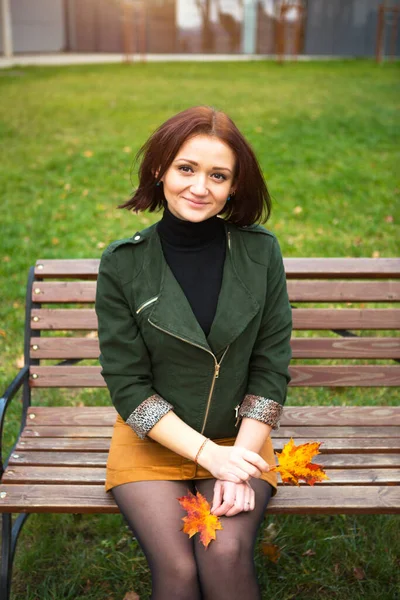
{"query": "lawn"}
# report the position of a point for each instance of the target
(327, 137)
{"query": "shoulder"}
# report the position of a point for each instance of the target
(256, 229)
(125, 256)
(127, 243)
(260, 243)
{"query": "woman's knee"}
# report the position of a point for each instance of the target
(229, 551)
(182, 570)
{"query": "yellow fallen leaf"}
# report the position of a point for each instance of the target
(131, 596)
(199, 518)
(271, 551)
(294, 463)
(88, 153)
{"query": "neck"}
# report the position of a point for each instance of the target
(187, 234)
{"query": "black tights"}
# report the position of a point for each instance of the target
(182, 568)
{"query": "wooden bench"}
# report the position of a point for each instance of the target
(58, 462)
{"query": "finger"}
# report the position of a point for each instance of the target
(252, 500)
(217, 499)
(249, 468)
(231, 476)
(246, 500)
(228, 501)
(256, 460)
(239, 501)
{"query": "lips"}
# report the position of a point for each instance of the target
(196, 202)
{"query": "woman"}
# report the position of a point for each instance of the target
(194, 330)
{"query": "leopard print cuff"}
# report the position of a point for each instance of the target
(263, 409)
(147, 414)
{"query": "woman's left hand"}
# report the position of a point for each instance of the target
(232, 498)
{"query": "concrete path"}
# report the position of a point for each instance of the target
(99, 58)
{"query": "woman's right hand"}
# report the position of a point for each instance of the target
(232, 463)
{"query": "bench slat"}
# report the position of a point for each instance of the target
(347, 318)
(345, 375)
(77, 319)
(322, 499)
(68, 268)
(102, 444)
(99, 459)
(299, 291)
(64, 291)
(329, 268)
(81, 347)
(367, 347)
(292, 416)
(94, 459)
(96, 476)
(343, 291)
(61, 475)
(73, 431)
(64, 348)
(302, 376)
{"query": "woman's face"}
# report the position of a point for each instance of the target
(199, 179)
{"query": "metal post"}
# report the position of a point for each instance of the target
(7, 29)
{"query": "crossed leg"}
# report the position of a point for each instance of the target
(226, 568)
(182, 568)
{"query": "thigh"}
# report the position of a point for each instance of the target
(153, 513)
(244, 526)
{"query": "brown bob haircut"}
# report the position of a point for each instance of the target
(251, 202)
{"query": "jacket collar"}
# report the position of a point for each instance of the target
(172, 312)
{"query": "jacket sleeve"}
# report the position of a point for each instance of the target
(124, 358)
(271, 354)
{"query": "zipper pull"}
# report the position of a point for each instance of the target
(217, 368)
(237, 414)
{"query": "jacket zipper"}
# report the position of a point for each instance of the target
(216, 375)
(142, 306)
(216, 368)
(237, 407)
(217, 364)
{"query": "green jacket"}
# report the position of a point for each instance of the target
(154, 355)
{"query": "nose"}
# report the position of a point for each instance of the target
(198, 187)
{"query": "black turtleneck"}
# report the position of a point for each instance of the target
(195, 253)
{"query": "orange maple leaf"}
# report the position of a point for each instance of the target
(199, 519)
(294, 463)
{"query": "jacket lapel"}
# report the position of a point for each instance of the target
(173, 314)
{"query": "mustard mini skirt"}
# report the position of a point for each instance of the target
(133, 459)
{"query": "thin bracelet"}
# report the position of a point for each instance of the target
(200, 449)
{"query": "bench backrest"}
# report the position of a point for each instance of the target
(335, 296)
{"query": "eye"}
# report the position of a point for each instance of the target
(220, 176)
(185, 169)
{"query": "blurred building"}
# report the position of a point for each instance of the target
(324, 27)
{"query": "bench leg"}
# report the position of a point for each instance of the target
(10, 535)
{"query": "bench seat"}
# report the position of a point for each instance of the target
(58, 464)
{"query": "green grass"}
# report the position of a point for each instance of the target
(327, 138)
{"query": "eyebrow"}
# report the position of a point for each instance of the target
(193, 162)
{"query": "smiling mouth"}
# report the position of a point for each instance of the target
(196, 202)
